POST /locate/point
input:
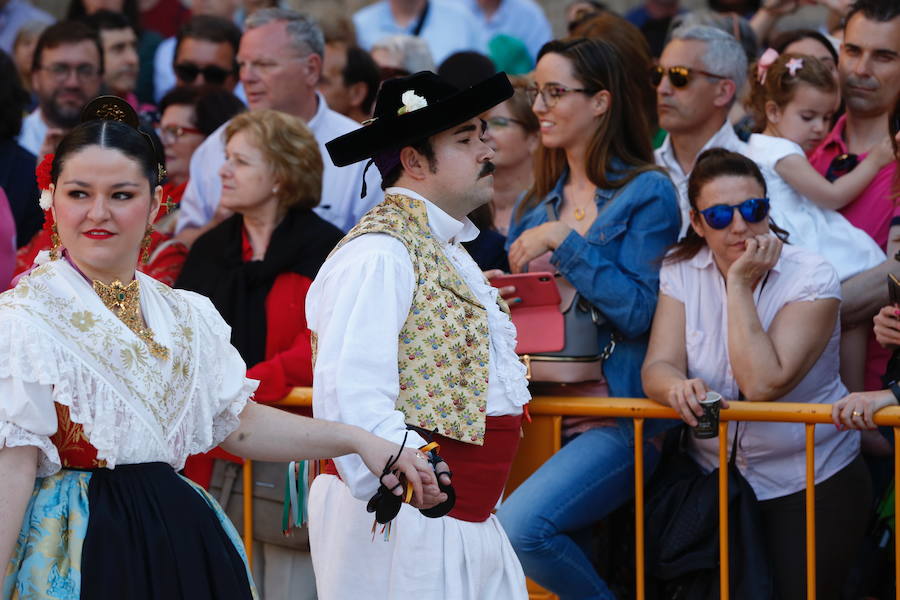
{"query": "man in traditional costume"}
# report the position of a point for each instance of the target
(412, 341)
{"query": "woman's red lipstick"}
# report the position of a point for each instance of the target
(98, 234)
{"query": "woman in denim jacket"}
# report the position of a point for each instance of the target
(614, 214)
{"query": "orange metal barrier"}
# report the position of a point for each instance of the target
(542, 438)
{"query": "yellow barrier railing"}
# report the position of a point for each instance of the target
(640, 409)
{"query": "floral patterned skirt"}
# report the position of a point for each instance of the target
(136, 532)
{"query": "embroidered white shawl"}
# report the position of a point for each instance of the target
(134, 408)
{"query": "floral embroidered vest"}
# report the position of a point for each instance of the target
(444, 346)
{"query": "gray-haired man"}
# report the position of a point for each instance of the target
(701, 72)
(280, 62)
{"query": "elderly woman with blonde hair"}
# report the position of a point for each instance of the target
(257, 265)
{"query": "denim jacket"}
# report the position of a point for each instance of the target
(615, 265)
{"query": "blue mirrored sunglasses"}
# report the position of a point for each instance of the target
(753, 210)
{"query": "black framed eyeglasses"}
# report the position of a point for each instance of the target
(187, 72)
(551, 93)
(753, 210)
(679, 76)
(503, 122)
(60, 71)
(840, 165)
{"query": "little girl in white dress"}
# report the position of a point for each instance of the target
(794, 98)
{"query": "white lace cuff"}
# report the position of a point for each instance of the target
(11, 435)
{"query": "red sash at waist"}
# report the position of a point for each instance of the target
(479, 472)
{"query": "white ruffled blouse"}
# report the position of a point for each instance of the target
(59, 343)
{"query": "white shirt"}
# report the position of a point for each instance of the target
(522, 19)
(34, 130)
(448, 28)
(770, 455)
(725, 137)
(357, 306)
(826, 232)
(340, 205)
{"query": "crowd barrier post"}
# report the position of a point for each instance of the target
(547, 412)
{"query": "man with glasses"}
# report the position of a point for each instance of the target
(869, 75)
(206, 51)
(280, 63)
(165, 58)
(700, 74)
(66, 72)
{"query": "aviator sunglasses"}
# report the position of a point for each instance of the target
(679, 77)
(753, 210)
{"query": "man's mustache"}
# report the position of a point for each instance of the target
(487, 169)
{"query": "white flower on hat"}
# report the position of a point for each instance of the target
(411, 102)
(46, 200)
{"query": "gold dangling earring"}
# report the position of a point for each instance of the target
(145, 246)
(54, 242)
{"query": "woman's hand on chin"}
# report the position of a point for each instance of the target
(760, 254)
(536, 241)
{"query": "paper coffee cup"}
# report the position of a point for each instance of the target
(708, 423)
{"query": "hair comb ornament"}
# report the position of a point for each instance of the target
(794, 65)
(110, 108)
(113, 108)
(765, 61)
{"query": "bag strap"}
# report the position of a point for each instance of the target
(421, 22)
(613, 337)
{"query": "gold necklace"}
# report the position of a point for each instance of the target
(579, 213)
(125, 302)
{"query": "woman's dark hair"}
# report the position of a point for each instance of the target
(213, 105)
(109, 134)
(711, 165)
(13, 99)
(786, 38)
(634, 50)
(621, 136)
(129, 9)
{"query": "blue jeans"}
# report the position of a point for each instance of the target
(587, 479)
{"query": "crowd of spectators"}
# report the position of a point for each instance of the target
(721, 188)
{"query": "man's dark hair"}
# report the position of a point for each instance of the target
(13, 99)
(208, 28)
(361, 68)
(129, 10)
(107, 20)
(213, 105)
(465, 69)
(880, 11)
(65, 33)
(424, 148)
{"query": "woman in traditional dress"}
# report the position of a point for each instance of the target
(106, 387)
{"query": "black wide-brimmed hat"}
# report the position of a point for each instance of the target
(409, 109)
